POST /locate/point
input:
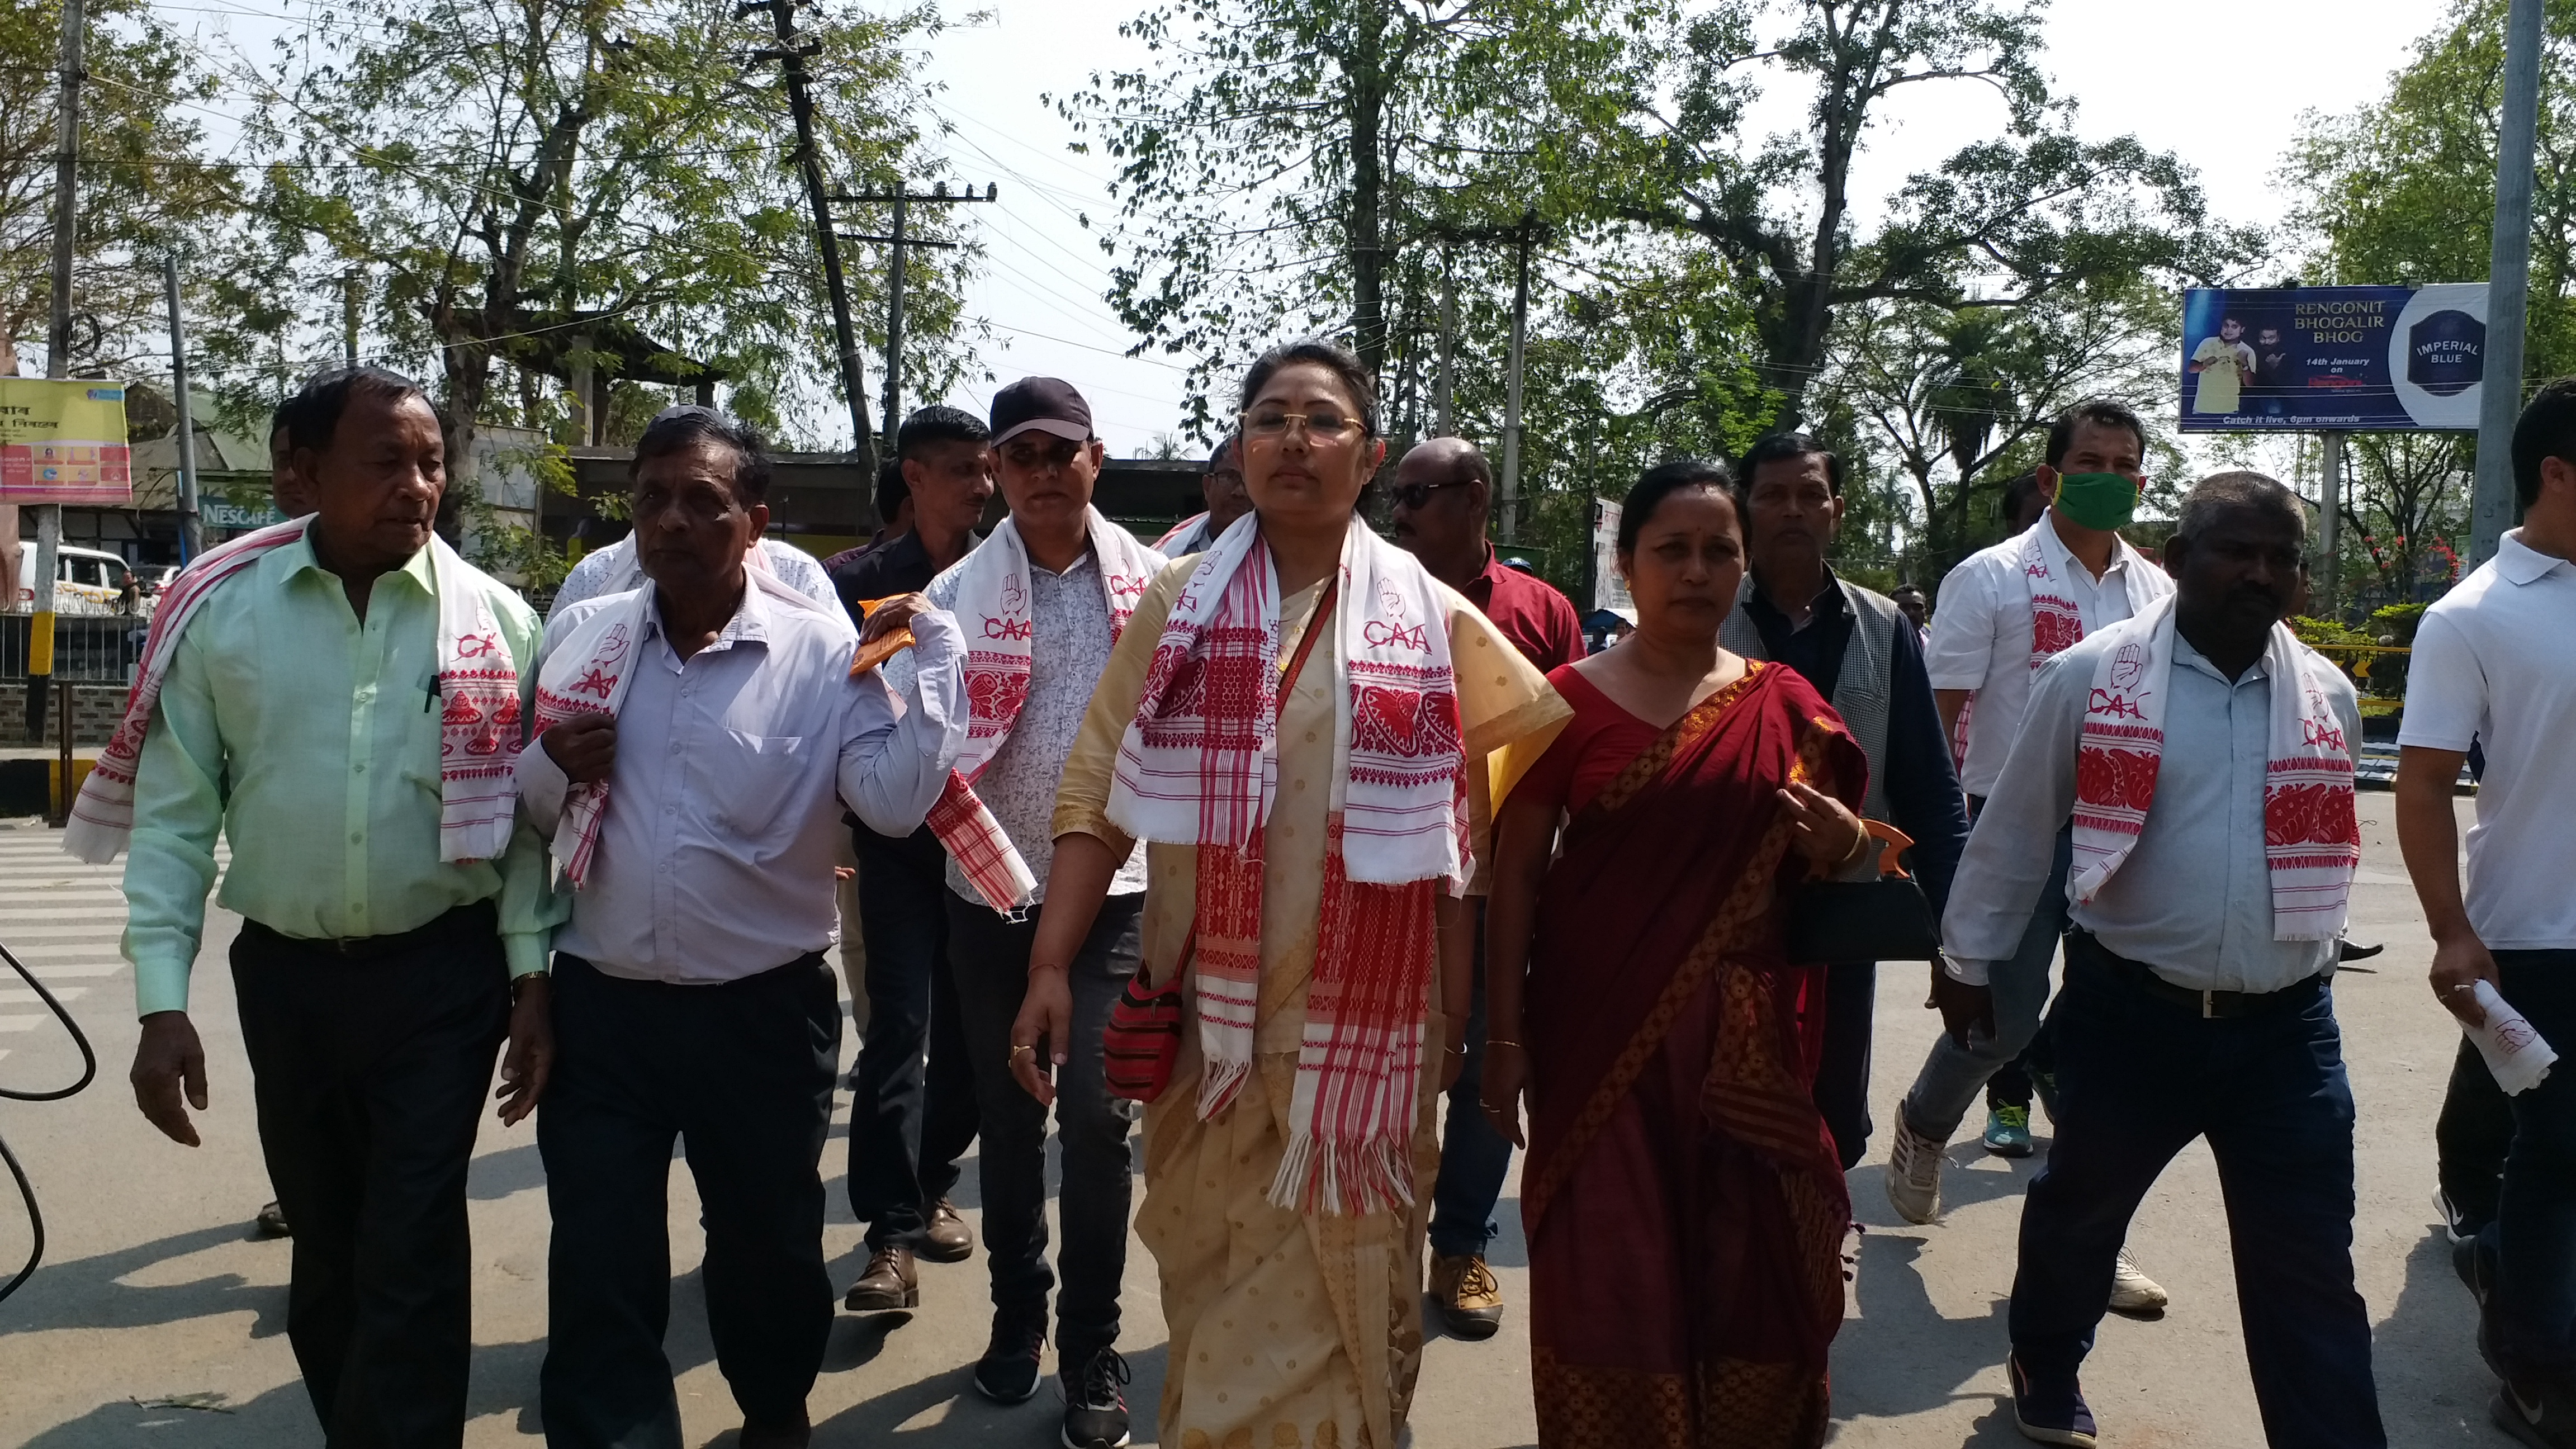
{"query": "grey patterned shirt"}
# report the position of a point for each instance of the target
(1071, 612)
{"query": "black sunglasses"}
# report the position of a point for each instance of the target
(1414, 495)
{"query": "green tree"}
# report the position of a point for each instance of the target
(145, 188)
(2005, 223)
(2408, 502)
(1950, 392)
(526, 185)
(1283, 164)
(2402, 191)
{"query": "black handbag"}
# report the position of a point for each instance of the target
(1887, 919)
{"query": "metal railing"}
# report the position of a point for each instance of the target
(88, 649)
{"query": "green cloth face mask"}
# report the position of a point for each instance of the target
(2097, 500)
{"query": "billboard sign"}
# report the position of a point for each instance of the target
(63, 441)
(2314, 359)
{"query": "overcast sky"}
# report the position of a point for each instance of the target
(2230, 110)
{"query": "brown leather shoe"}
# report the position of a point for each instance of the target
(1470, 1301)
(946, 1238)
(890, 1282)
(789, 1433)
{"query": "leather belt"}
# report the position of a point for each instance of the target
(2208, 1005)
(478, 919)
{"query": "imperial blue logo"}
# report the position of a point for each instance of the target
(2446, 353)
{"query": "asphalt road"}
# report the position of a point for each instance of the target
(159, 1319)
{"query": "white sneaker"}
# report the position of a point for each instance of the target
(2133, 1291)
(1914, 1175)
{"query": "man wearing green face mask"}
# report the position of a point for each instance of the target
(2003, 613)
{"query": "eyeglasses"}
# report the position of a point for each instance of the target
(1414, 495)
(1319, 423)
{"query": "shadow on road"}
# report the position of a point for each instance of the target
(2433, 1388)
(92, 1293)
(1900, 1356)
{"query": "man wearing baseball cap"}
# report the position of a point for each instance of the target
(1042, 600)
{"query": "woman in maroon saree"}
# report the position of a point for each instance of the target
(1684, 1207)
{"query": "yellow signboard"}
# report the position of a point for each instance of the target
(63, 441)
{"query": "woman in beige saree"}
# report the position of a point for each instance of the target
(1305, 848)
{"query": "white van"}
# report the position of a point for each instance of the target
(86, 581)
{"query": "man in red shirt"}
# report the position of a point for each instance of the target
(1442, 493)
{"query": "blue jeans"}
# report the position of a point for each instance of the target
(1952, 1074)
(2139, 1077)
(1474, 1158)
(2534, 1232)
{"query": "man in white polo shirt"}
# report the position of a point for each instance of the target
(2004, 612)
(2495, 661)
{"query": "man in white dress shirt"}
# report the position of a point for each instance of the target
(693, 998)
(2203, 760)
(2495, 662)
(2003, 613)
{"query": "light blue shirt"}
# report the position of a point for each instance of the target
(715, 854)
(2193, 901)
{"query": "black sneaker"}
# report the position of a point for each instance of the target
(2050, 1411)
(1008, 1371)
(2537, 1413)
(1095, 1405)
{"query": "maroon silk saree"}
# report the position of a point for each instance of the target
(1684, 1206)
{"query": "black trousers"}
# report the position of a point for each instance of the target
(1842, 1068)
(369, 1071)
(991, 957)
(742, 1073)
(2139, 1078)
(2471, 1137)
(909, 1123)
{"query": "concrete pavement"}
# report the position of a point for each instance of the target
(158, 1319)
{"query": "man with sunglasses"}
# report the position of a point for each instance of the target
(1442, 493)
(1042, 599)
(1221, 487)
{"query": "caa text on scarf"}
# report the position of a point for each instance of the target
(478, 686)
(1199, 765)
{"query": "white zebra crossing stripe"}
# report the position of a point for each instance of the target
(80, 971)
(105, 932)
(21, 996)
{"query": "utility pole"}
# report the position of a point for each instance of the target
(901, 242)
(790, 55)
(1511, 509)
(349, 318)
(2508, 283)
(1444, 392)
(192, 531)
(2330, 542)
(58, 357)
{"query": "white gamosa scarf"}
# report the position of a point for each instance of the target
(992, 606)
(588, 673)
(2311, 839)
(478, 686)
(1199, 765)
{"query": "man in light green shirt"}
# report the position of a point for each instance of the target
(301, 718)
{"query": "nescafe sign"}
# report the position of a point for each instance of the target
(2446, 353)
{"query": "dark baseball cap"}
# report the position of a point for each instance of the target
(1040, 404)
